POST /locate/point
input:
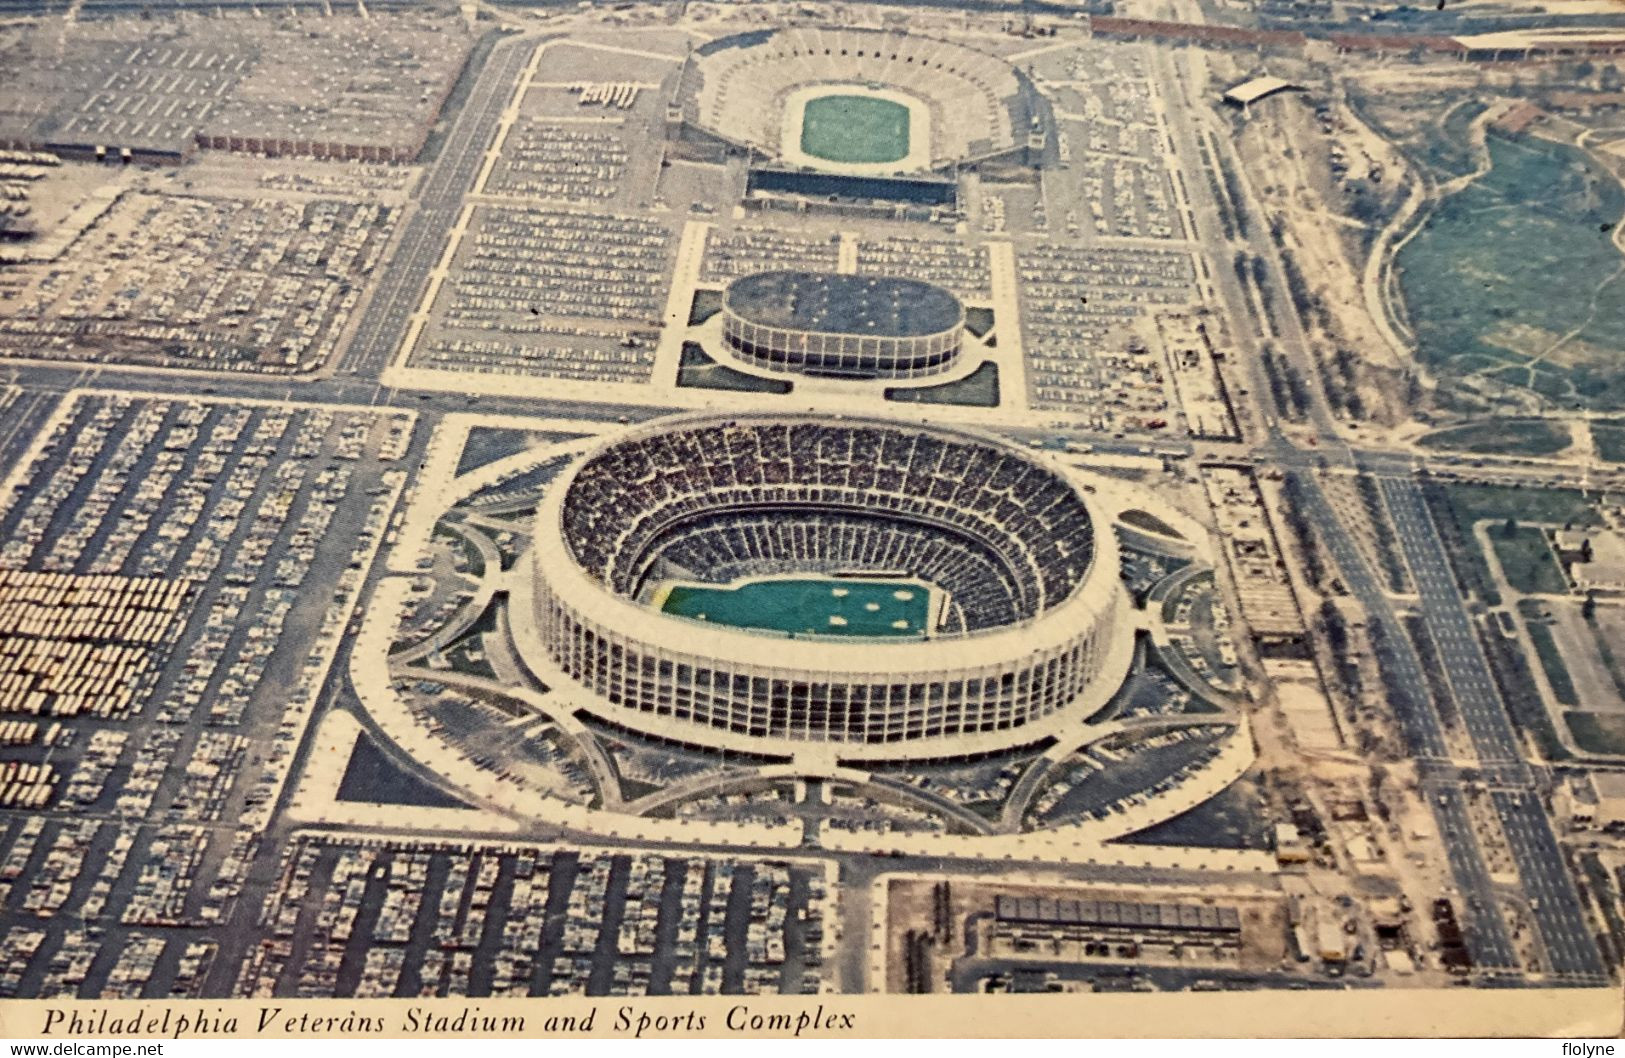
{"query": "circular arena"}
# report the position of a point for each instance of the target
(844, 326)
(880, 589)
(858, 101)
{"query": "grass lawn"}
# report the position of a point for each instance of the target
(1604, 891)
(1551, 659)
(1446, 145)
(1517, 684)
(1597, 732)
(1151, 524)
(1512, 263)
(1464, 505)
(699, 371)
(487, 444)
(1609, 438)
(1558, 506)
(1527, 560)
(979, 320)
(706, 303)
(1603, 636)
(1509, 437)
(979, 389)
(372, 777)
(855, 129)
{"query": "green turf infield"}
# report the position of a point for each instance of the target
(857, 130)
(844, 607)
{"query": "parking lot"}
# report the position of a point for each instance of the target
(1081, 311)
(228, 284)
(241, 507)
(554, 293)
(403, 918)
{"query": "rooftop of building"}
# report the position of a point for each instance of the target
(833, 303)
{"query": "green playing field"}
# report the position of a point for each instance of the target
(854, 129)
(809, 607)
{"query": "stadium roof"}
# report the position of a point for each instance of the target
(873, 306)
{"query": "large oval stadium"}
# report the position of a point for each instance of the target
(844, 326)
(856, 100)
(866, 585)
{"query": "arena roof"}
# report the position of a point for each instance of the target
(876, 306)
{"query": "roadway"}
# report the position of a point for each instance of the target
(1488, 939)
(1559, 918)
(1282, 328)
(1553, 901)
(1420, 723)
(19, 421)
(1484, 715)
(44, 381)
(439, 202)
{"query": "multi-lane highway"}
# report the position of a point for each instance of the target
(439, 202)
(1418, 719)
(1483, 714)
(42, 383)
(1488, 938)
(1553, 900)
(1571, 947)
(1571, 951)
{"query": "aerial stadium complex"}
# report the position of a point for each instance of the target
(859, 102)
(692, 619)
(884, 589)
(866, 327)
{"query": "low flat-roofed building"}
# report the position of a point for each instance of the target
(1593, 800)
(1118, 917)
(1605, 570)
(1607, 796)
(1249, 92)
(1331, 945)
(1289, 844)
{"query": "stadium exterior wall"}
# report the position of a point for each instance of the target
(828, 352)
(778, 701)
